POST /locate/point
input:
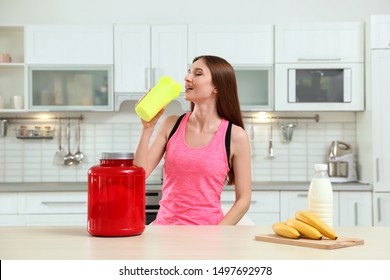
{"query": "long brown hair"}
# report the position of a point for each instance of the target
(228, 105)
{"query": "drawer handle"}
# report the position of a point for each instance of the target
(63, 202)
(232, 201)
(318, 59)
(302, 195)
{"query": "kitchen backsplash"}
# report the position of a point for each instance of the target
(32, 160)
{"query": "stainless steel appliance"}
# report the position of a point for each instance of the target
(152, 204)
(341, 165)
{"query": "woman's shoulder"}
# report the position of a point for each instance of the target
(169, 122)
(238, 134)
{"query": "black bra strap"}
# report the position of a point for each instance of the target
(227, 141)
(176, 126)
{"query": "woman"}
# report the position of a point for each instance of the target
(201, 153)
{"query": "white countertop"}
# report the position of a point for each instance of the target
(260, 186)
(181, 242)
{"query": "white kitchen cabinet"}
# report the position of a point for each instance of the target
(70, 88)
(43, 208)
(381, 209)
(264, 208)
(238, 44)
(319, 42)
(249, 48)
(373, 127)
(9, 203)
(380, 31)
(11, 73)
(143, 54)
(53, 202)
(293, 201)
(69, 44)
(355, 208)
(380, 85)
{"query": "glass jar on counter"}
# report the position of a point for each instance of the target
(116, 196)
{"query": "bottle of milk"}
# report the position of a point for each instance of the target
(320, 197)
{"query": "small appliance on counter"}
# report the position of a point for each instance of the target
(341, 165)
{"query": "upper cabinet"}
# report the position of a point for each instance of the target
(238, 44)
(319, 66)
(380, 32)
(11, 68)
(142, 54)
(249, 48)
(69, 44)
(319, 42)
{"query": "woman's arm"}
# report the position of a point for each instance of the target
(149, 155)
(241, 159)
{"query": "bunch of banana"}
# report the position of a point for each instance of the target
(313, 221)
(306, 225)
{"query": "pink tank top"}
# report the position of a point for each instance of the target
(193, 180)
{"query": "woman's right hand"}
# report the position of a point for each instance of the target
(153, 121)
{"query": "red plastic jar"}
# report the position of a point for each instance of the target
(116, 196)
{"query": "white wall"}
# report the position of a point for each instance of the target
(183, 11)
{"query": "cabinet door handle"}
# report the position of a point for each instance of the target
(147, 78)
(302, 195)
(377, 170)
(154, 76)
(63, 202)
(356, 206)
(232, 201)
(318, 59)
(379, 209)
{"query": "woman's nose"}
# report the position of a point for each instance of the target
(187, 77)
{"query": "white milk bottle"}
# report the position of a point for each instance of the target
(320, 197)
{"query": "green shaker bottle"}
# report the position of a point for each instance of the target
(160, 95)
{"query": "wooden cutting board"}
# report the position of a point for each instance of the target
(324, 243)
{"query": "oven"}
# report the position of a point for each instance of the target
(152, 204)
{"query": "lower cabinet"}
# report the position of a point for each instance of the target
(43, 208)
(351, 208)
(355, 208)
(293, 201)
(264, 208)
(381, 209)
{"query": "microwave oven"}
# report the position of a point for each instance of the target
(314, 87)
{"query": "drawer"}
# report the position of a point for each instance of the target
(53, 202)
(56, 220)
(9, 203)
(262, 201)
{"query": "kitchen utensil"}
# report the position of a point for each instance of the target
(60, 154)
(3, 128)
(287, 131)
(78, 156)
(341, 165)
(69, 158)
(270, 144)
(340, 242)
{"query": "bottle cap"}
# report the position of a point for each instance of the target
(117, 155)
(320, 167)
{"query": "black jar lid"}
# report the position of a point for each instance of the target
(117, 156)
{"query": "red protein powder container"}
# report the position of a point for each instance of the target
(116, 196)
